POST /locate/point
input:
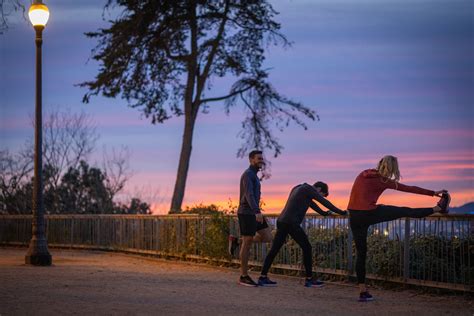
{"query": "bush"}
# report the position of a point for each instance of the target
(213, 241)
(329, 246)
(384, 256)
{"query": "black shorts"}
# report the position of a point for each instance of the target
(249, 226)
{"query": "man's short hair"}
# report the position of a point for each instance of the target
(323, 186)
(255, 152)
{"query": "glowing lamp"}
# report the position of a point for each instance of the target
(39, 14)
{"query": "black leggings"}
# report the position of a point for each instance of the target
(298, 234)
(361, 220)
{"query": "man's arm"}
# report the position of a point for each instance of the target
(317, 209)
(318, 197)
(249, 194)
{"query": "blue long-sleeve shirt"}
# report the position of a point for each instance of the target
(249, 192)
(301, 197)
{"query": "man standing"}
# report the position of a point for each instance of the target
(288, 223)
(253, 226)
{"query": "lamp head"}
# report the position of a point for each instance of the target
(39, 14)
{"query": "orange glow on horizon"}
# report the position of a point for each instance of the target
(275, 204)
(453, 171)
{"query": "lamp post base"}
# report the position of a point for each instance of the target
(39, 260)
(38, 254)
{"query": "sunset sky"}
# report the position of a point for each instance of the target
(386, 77)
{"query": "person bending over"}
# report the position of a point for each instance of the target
(288, 223)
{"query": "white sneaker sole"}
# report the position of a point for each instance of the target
(248, 285)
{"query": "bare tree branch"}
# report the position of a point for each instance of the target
(7, 7)
(117, 168)
(234, 93)
(15, 170)
(68, 139)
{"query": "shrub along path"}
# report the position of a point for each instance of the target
(86, 282)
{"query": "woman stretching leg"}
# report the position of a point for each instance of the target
(364, 211)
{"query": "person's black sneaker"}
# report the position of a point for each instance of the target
(365, 297)
(247, 281)
(233, 244)
(265, 281)
(313, 283)
(444, 203)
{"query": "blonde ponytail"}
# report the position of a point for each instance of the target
(388, 167)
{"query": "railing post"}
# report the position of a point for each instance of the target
(406, 251)
(72, 232)
(349, 252)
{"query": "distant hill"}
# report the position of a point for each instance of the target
(464, 209)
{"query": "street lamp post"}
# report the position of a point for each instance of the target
(38, 253)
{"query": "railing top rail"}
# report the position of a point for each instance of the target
(468, 217)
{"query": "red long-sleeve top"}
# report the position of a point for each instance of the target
(369, 185)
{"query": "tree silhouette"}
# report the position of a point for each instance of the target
(69, 139)
(7, 7)
(161, 57)
(83, 189)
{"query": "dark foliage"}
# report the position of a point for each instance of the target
(82, 190)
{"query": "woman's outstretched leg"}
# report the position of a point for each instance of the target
(385, 213)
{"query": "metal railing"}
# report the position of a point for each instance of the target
(437, 251)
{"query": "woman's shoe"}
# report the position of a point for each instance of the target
(444, 203)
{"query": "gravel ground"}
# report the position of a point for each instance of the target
(101, 283)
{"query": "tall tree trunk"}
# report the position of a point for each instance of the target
(186, 147)
(190, 114)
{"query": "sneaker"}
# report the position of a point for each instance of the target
(265, 281)
(444, 203)
(365, 297)
(247, 281)
(233, 244)
(313, 283)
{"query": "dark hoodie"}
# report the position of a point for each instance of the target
(369, 185)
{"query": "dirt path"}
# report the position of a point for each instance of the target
(85, 282)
